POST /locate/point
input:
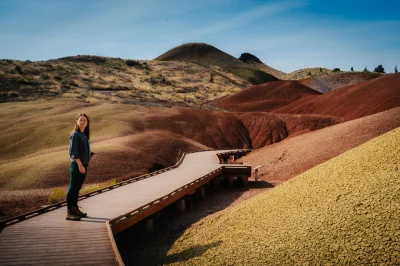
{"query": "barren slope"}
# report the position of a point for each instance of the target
(266, 97)
(284, 160)
(342, 212)
(351, 102)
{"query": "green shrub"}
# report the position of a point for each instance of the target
(336, 69)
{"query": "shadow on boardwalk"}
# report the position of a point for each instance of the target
(143, 248)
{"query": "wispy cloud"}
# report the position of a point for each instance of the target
(249, 16)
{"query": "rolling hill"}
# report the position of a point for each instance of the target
(266, 97)
(207, 55)
(366, 98)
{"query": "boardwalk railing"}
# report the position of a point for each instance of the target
(48, 208)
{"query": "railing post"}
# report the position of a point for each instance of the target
(148, 225)
(180, 205)
(201, 192)
(256, 172)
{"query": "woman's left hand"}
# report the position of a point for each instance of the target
(82, 169)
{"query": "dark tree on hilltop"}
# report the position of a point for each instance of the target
(366, 69)
(249, 58)
(395, 69)
(336, 69)
(352, 69)
(379, 69)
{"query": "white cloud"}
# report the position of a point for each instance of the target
(248, 17)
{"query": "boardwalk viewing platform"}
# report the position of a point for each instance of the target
(44, 237)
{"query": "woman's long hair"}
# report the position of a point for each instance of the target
(87, 129)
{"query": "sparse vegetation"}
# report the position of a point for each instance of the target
(336, 69)
(115, 80)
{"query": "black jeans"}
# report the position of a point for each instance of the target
(75, 184)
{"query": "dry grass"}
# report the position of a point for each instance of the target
(102, 79)
(342, 212)
(58, 194)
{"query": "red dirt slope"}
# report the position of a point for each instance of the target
(267, 128)
(266, 97)
(290, 157)
(351, 102)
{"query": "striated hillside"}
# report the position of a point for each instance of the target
(136, 138)
(366, 98)
(296, 154)
(111, 125)
(266, 97)
(341, 212)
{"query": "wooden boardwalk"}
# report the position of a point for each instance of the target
(49, 239)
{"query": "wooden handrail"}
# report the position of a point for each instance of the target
(42, 210)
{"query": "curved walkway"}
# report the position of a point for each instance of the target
(49, 239)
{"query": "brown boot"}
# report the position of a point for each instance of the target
(72, 215)
(81, 214)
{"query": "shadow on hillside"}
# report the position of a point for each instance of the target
(190, 253)
(138, 247)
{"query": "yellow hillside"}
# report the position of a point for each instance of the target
(343, 212)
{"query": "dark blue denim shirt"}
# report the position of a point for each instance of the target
(79, 147)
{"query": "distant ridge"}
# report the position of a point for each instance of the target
(255, 62)
(207, 55)
(333, 81)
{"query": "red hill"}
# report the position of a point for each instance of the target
(266, 97)
(366, 98)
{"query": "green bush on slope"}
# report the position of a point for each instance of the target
(344, 211)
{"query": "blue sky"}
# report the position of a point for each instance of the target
(287, 35)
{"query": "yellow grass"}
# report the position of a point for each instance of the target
(343, 212)
(93, 187)
(58, 194)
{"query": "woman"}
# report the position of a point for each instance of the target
(79, 151)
